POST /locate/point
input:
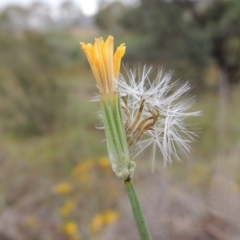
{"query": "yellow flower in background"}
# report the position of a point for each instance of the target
(81, 171)
(63, 188)
(103, 219)
(82, 167)
(104, 63)
(71, 229)
(104, 162)
(67, 208)
(97, 223)
(111, 217)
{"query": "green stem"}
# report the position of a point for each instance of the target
(137, 211)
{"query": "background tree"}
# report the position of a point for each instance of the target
(71, 14)
(193, 31)
(108, 16)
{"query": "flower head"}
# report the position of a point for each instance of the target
(105, 66)
(139, 111)
(104, 63)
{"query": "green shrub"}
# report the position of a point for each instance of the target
(31, 98)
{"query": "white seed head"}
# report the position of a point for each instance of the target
(154, 113)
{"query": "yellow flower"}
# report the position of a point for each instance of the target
(71, 229)
(67, 208)
(110, 217)
(104, 63)
(104, 162)
(81, 172)
(63, 188)
(103, 219)
(97, 223)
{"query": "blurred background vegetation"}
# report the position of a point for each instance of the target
(55, 178)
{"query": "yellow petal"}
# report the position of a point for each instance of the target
(117, 59)
(104, 63)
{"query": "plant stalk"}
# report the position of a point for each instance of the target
(137, 211)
